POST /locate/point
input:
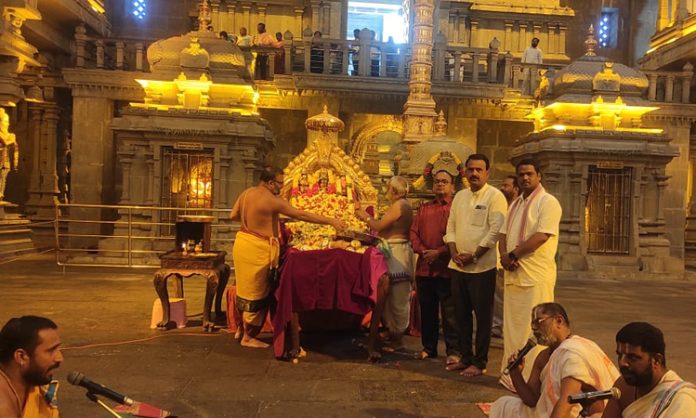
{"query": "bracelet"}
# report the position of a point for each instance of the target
(512, 256)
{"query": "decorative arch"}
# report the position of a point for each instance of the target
(365, 134)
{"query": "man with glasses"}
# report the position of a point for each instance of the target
(472, 232)
(256, 248)
(570, 365)
(648, 388)
(432, 275)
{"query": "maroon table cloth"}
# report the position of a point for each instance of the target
(326, 279)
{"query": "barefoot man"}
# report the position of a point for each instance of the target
(393, 292)
(256, 248)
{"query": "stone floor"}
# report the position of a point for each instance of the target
(104, 317)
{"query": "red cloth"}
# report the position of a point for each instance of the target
(427, 232)
(326, 279)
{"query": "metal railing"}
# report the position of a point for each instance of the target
(125, 236)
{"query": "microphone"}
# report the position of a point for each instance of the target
(598, 395)
(78, 379)
(520, 356)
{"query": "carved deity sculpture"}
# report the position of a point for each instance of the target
(9, 151)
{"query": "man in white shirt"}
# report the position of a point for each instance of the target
(528, 244)
(244, 39)
(472, 230)
(533, 56)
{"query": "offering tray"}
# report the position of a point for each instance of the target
(363, 237)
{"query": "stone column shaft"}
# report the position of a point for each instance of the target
(419, 110)
(43, 188)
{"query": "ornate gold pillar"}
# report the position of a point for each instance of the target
(419, 110)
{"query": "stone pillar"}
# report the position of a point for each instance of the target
(507, 40)
(93, 159)
(299, 11)
(43, 188)
(562, 39)
(316, 15)
(246, 18)
(215, 15)
(419, 110)
(231, 17)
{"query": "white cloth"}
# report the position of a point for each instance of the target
(475, 221)
(533, 55)
(401, 270)
(543, 215)
(682, 404)
(517, 315)
(244, 40)
(576, 357)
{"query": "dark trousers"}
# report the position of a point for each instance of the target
(473, 292)
(435, 299)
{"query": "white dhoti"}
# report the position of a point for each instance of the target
(517, 314)
(401, 270)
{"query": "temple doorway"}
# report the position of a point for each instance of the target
(387, 18)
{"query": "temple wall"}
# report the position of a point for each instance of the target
(496, 139)
(636, 24)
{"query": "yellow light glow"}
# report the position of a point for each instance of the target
(97, 6)
(559, 127)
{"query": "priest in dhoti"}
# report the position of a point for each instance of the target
(648, 388)
(393, 292)
(570, 365)
(256, 250)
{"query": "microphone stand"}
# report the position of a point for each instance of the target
(585, 411)
(92, 397)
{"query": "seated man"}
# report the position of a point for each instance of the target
(570, 365)
(29, 352)
(394, 291)
(648, 388)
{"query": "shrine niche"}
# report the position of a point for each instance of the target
(324, 179)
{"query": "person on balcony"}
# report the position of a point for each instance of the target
(355, 48)
(244, 39)
(280, 54)
(316, 60)
(264, 40)
(533, 57)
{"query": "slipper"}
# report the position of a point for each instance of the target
(390, 349)
(472, 371)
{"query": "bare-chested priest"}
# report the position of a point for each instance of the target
(393, 292)
(256, 248)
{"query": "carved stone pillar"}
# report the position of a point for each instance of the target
(43, 188)
(419, 110)
(231, 16)
(215, 15)
(246, 16)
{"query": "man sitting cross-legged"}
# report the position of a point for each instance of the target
(570, 365)
(648, 388)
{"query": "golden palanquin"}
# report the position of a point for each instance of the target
(323, 179)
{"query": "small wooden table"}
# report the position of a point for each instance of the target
(209, 265)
